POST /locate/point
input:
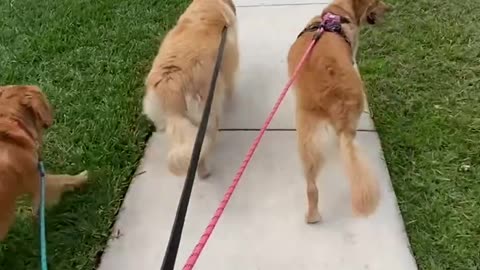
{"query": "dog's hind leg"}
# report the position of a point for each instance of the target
(56, 185)
(230, 65)
(211, 137)
(7, 215)
(229, 78)
(213, 126)
(312, 142)
(311, 168)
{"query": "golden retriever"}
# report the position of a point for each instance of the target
(178, 83)
(330, 101)
(24, 114)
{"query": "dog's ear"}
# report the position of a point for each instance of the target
(375, 13)
(35, 100)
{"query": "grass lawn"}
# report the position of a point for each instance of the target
(91, 58)
(423, 75)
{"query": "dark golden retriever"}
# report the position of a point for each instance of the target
(24, 114)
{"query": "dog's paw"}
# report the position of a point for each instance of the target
(83, 175)
(203, 172)
(313, 217)
(81, 178)
(161, 126)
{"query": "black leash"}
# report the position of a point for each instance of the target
(176, 233)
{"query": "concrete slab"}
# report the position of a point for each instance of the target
(263, 226)
(264, 45)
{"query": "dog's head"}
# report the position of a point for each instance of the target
(370, 11)
(26, 103)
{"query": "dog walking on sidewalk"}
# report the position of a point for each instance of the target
(330, 100)
(178, 83)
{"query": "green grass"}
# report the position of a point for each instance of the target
(423, 76)
(91, 58)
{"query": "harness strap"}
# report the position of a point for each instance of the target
(329, 23)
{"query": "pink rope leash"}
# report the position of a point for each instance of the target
(223, 204)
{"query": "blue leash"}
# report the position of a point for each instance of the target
(43, 239)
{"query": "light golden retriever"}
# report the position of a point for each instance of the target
(330, 101)
(24, 114)
(178, 83)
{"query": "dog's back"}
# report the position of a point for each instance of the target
(187, 54)
(328, 84)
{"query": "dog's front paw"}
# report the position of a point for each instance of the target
(83, 175)
(203, 171)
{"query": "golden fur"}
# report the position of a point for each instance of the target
(178, 83)
(330, 100)
(24, 113)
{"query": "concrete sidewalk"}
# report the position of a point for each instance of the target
(263, 226)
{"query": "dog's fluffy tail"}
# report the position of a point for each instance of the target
(364, 185)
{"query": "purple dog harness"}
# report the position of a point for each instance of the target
(330, 23)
